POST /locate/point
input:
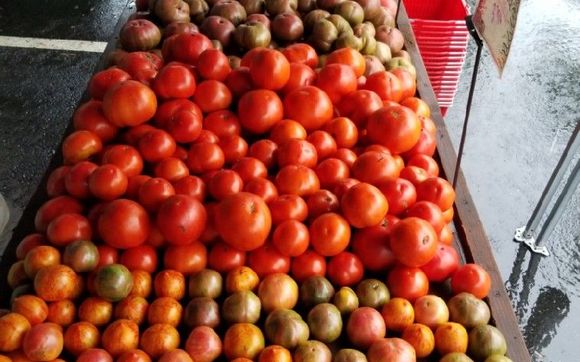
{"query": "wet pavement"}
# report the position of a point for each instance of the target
(518, 129)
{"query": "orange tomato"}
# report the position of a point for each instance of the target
(241, 278)
(57, 282)
(364, 205)
(275, 353)
(133, 308)
(43, 342)
(350, 57)
(329, 234)
(159, 339)
(421, 338)
(96, 311)
(141, 284)
(62, 312)
(81, 336)
(419, 106)
(169, 283)
(310, 106)
(398, 314)
(13, 327)
(243, 340)
(165, 310)
(120, 336)
(40, 257)
(31, 307)
(451, 337)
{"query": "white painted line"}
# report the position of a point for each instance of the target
(53, 44)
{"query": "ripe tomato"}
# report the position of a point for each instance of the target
(308, 264)
(76, 181)
(288, 207)
(153, 192)
(192, 186)
(222, 123)
(343, 131)
(263, 188)
(408, 82)
(40, 257)
(407, 282)
(471, 278)
(418, 106)
(203, 157)
(297, 152)
(124, 224)
(129, 103)
(108, 182)
(265, 151)
(55, 182)
(345, 269)
(243, 220)
(165, 310)
(142, 257)
(105, 79)
(269, 69)
(285, 130)
(371, 245)
(43, 342)
(426, 145)
(168, 110)
(310, 106)
(346, 155)
(243, 340)
(172, 169)
(446, 235)
(322, 202)
(337, 80)
(224, 258)
(329, 234)
(427, 211)
(80, 146)
(31, 307)
(250, 168)
(451, 337)
(81, 336)
(54, 208)
(234, 148)
(141, 66)
(421, 338)
(61, 312)
(301, 53)
(301, 75)
(185, 47)
(120, 336)
(156, 145)
(437, 190)
(239, 81)
(364, 205)
(375, 167)
(186, 259)
(267, 260)
(67, 228)
(394, 127)
(28, 243)
(225, 183)
(135, 355)
(398, 314)
(444, 263)
(413, 241)
(359, 105)
(94, 355)
(125, 157)
(400, 194)
(343, 186)
(386, 85)
(203, 344)
(90, 117)
(323, 142)
(181, 219)
(159, 338)
(169, 283)
(259, 110)
(391, 349)
(174, 81)
(212, 95)
(291, 238)
(350, 57)
(298, 180)
(425, 162)
(414, 174)
(213, 64)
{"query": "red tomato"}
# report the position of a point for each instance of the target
(80, 146)
(212, 95)
(90, 117)
(310, 106)
(408, 82)
(371, 245)
(364, 205)
(169, 109)
(428, 211)
(172, 169)
(288, 207)
(400, 194)
(269, 69)
(174, 81)
(343, 131)
(239, 81)
(222, 123)
(55, 182)
(426, 145)
(394, 127)
(213, 64)
(129, 103)
(265, 151)
(329, 234)
(413, 241)
(156, 145)
(365, 326)
(322, 202)
(28, 243)
(425, 162)
(298, 180)
(125, 157)
(154, 192)
(291, 238)
(43, 342)
(203, 157)
(407, 282)
(186, 259)
(301, 75)
(346, 155)
(267, 260)
(181, 219)
(375, 167)
(323, 142)
(414, 174)
(444, 264)
(54, 208)
(243, 220)
(224, 258)
(234, 148)
(108, 182)
(263, 188)
(191, 186)
(286, 130)
(345, 269)
(225, 183)
(386, 85)
(250, 168)
(438, 191)
(94, 355)
(76, 180)
(107, 255)
(142, 257)
(141, 66)
(259, 110)
(350, 57)
(359, 105)
(105, 79)
(337, 80)
(308, 264)
(124, 224)
(343, 186)
(417, 105)
(185, 47)
(66, 228)
(297, 152)
(301, 53)
(471, 278)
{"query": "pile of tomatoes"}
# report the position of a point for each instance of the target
(206, 212)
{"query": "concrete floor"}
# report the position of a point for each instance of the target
(518, 129)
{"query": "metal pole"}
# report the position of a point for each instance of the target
(397, 13)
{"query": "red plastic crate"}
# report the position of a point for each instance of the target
(442, 38)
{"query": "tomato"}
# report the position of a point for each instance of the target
(431, 311)
(124, 224)
(359, 105)
(90, 117)
(172, 169)
(156, 145)
(234, 148)
(186, 259)
(259, 110)
(55, 183)
(329, 234)
(337, 80)
(365, 326)
(225, 183)
(471, 278)
(371, 245)
(213, 64)
(398, 314)
(345, 269)
(298, 180)
(428, 125)
(426, 145)
(421, 338)
(224, 258)
(321, 202)
(67, 228)
(425, 162)
(141, 284)
(105, 79)
(120, 336)
(191, 186)
(400, 194)
(414, 174)
(275, 353)
(308, 264)
(451, 337)
(343, 186)
(310, 106)
(345, 155)
(419, 106)
(133, 308)
(413, 241)
(243, 340)
(394, 127)
(169, 283)
(57, 282)
(125, 157)
(408, 82)
(278, 291)
(263, 188)
(81, 256)
(61, 312)
(437, 190)
(286, 130)
(375, 168)
(185, 47)
(177, 355)
(288, 207)
(28, 243)
(43, 342)
(446, 235)
(174, 81)
(297, 152)
(135, 355)
(343, 131)
(239, 81)
(264, 150)
(81, 336)
(203, 344)
(267, 260)
(76, 180)
(170, 108)
(391, 349)
(301, 75)
(129, 103)
(107, 255)
(386, 85)
(142, 257)
(13, 328)
(350, 57)
(203, 157)
(301, 53)
(141, 66)
(222, 123)
(323, 142)
(40, 257)
(212, 95)
(407, 282)
(108, 182)
(269, 69)
(164, 310)
(427, 211)
(364, 205)
(181, 219)
(250, 168)
(291, 238)
(159, 339)
(95, 355)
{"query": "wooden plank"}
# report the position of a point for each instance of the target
(473, 238)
